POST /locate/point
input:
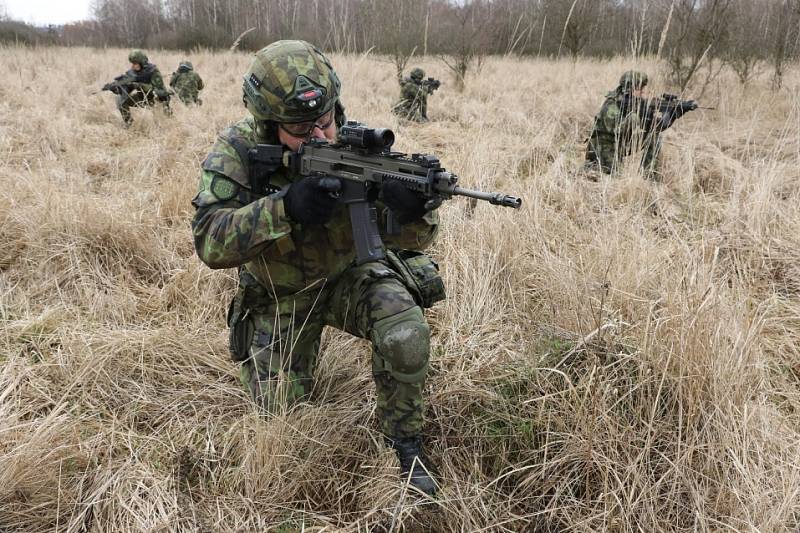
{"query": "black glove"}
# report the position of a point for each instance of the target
(312, 199)
(688, 105)
(407, 205)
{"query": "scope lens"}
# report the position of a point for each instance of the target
(383, 137)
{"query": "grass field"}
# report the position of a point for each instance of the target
(617, 355)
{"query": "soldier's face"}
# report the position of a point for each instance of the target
(136, 67)
(324, 128)
(641, 92)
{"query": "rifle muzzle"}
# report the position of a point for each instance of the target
(506, 201)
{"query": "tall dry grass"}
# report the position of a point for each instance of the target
(618, 355)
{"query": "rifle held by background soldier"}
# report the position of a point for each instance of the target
(671, 108)
(121, 85)
(431, 84)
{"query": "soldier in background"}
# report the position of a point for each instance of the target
(629, 121)
(187, 83)
(141, 86)
(292, 244)
(414, 91)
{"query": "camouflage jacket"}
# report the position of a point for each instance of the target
(233, 226)
(616, 123)
(413, 96)
(186, 84)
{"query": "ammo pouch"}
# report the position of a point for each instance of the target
(241, 328)
(420, 274)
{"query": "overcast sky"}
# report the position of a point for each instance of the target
(47, 11)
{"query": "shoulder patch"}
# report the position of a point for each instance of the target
(223, 188)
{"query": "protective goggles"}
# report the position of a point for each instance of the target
(303, 129)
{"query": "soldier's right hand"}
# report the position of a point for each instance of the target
(312, 199)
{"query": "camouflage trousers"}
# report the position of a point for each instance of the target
(189, 96)
(606, 152)
(138, 99)
(415, 111)
(368, 301)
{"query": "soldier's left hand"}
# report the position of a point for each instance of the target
(409, 206)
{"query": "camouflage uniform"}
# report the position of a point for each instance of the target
(294, 279)
(187, 83)
(621, 127)
(413, 104)
(147, 87)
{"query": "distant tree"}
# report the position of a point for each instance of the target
(696, 32)
(398, 29)
(461, 38)
(579, 20)
(783, 45)
(129, 22)
(747, 47)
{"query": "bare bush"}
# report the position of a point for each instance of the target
(696, 32)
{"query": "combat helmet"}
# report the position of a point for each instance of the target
(417, 74)
(185, 66)
(632, 79)
(138, 56)
(290, 81)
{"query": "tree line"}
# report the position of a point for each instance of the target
(694, 37)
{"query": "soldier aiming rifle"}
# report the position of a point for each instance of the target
(414, 91)
(141, 86)
(629, 121)
(292, 196)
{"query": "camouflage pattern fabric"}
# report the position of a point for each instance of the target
(618, 132)
(280, 363)
(187, 86)
(296, 279)
(146, 87)
(413, 103)
(282, 75)
(632, 79)
(138, 56)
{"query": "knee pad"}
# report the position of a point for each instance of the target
(401, 346)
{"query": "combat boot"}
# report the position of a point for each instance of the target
(409, 452)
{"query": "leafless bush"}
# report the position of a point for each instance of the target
(695, 33)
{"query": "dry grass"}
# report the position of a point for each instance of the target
(617, 355)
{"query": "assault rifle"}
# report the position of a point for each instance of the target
(431, 84)
(363, 162)
(122, 84)
(671, 108)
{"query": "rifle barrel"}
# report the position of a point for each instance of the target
(494, 198)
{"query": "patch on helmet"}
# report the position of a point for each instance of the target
(223, 188)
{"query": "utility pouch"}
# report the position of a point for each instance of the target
(420, 274)
(241, 331)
